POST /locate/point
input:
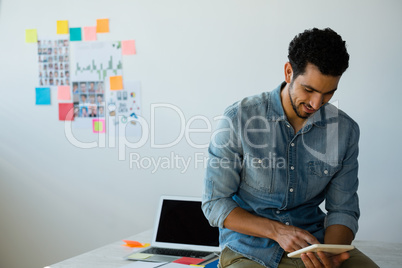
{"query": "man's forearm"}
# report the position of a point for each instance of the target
(244, 222)
(338, 234)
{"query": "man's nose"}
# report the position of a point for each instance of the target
(316, 101)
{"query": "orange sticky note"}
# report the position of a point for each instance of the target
(135, 244)
(128, 47)
(90, 33)
(62, 27)
(63, 93)
(102, 25)
(116, 82)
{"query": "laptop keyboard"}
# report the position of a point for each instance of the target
(177, 252)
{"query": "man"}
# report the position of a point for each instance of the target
(277, 156)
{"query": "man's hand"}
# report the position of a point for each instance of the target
(310, 260)
(291, 238)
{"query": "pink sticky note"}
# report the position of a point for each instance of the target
(90, 33)
(128, 47)
(63, 93)
(66, 111)
(188, 260)
(98, 125)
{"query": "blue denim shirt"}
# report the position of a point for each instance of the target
(258, 163)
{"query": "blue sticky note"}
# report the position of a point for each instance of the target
(42, 96)
(213, 264)
(75, 34)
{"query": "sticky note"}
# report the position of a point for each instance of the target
(128, 47)
(139, 256)
(135, 244)
(90, 33)
(66, 111)
(62, 27)
(116, 82)
(98, 126)
(63, 93)
(31, 36)
(213, 264)
(188, 260)
(102, 25)
(42, 96)
(75, 34)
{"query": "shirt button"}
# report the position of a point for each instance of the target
(259, 161)
(288, 126)
(325, 172)
(278, 212)
(287, 223)
(292, 167)
(292, 144)
(291, 190)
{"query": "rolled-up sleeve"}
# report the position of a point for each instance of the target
(342, 201)
(224, 164)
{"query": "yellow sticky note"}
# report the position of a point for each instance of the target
(31, 36)
(116, 82)
(102, 25)
(62, 27)
(139, 256)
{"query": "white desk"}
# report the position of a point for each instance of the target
(386, 255)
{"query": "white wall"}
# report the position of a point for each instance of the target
(57, 200)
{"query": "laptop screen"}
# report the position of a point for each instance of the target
(183, 222)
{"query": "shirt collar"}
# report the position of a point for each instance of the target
(276, 112)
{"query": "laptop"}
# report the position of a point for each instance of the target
(181, 230)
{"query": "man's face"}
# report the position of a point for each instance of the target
(311, 90)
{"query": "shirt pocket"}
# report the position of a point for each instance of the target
(319, 175)
(323, 169)
(258, 174)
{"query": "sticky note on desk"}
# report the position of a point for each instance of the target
(139, 256)
(135, 244)
(188, 260)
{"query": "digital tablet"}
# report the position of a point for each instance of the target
(333, 249)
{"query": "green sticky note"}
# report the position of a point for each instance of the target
(98, 125)
(139, 256)
(31, 36)
(75, 34)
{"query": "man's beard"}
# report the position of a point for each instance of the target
(294, 105)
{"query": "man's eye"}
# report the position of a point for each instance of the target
(308, 90)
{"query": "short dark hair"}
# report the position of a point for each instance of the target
(323, 48)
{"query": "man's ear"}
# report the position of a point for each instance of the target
(288, 72)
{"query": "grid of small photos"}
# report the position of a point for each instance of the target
(89, 99)
(54, 69)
